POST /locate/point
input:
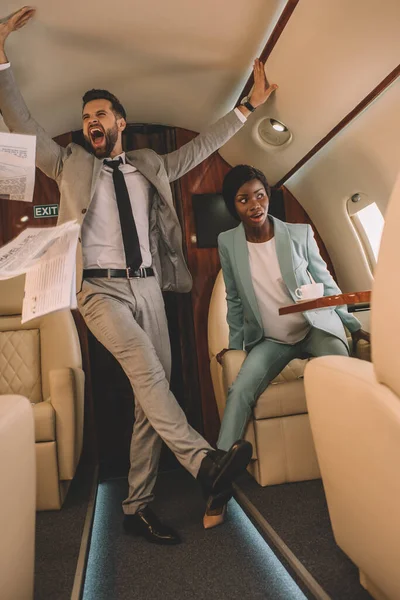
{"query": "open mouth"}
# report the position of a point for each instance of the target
(96, 136)
(257, 216)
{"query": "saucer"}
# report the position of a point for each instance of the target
(308, 300)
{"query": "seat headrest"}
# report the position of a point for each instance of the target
(218, 329)
(11, 296)
(385, 303)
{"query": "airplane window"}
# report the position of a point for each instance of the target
(369, 224)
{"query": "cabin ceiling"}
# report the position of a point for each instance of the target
(175, 62)
(184, 63)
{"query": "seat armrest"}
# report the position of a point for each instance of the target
(363, 350)
(355, 423)
(231, 365)
(67, 398)
(17, 498)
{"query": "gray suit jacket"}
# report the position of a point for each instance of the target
(76, 173)
(298, 258)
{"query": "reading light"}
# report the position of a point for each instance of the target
(277, 125)
(274, 132)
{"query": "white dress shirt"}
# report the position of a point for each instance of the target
(271, 294)
(102, 244)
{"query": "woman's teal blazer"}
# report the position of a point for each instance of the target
(298, 258)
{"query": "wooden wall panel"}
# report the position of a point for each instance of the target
(45, 192)
(204, 266)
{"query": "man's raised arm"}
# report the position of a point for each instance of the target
(12, 23)
(15, 113)
(194, 152)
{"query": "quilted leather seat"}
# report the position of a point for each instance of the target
(41, 360)
(283, 448)
(17, 500)
(356, 427)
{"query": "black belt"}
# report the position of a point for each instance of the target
(125, 273)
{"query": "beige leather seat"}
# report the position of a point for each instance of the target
(17, 498)
(354, 409)
(283, 448)
(41, 360)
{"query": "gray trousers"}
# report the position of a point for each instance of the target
(128, 318)
(263, 363)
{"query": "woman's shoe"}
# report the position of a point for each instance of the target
(215, 517)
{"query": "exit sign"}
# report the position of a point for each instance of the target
(42, 211)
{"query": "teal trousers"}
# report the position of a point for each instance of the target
(263, 363)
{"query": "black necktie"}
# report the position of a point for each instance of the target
(128, 227)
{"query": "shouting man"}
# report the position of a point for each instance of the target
(130, 250)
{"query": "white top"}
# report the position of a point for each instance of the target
(271, 294)
(102, 244)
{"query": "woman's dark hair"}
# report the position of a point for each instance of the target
(116, 105)
(234, 180)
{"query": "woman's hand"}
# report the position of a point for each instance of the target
(360, 334)
(261, 90)
(220, 355)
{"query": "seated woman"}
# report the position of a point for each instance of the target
(264, 261)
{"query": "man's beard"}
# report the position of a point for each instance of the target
(111, 136)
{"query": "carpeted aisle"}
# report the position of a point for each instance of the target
(226, 563)
(299, 514)
(58, 540)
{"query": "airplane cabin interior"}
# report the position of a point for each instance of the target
(316, 513)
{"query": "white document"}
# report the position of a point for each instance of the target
(47, 256)
(17, 166)
(50, 284)
(22, 252)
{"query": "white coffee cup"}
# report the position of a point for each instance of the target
(310, 291)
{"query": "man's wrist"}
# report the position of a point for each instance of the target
(246, 106)
(254, 102)
(243, 110)
(240, 115)
(3, 56)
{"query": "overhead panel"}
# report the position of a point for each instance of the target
(328, 58)
(364, 158)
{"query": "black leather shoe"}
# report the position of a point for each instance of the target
(146, 524)
(219, 469)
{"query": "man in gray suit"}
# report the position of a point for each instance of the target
(130, 249)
